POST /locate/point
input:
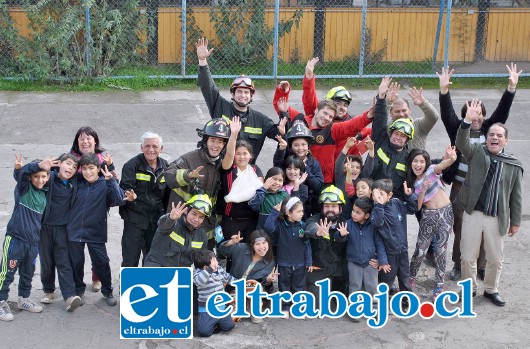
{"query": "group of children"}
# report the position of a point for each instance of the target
(58, 211)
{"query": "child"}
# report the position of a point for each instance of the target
(209, 278)
(295, 172)
(389, 217)
(363, 245)
(348, 170)
(299, 141)
(239, 182)
(293, 247)
(270, 195)
(437, 213)
(20, 247)
(53, 246)
(88, 223)
(363, 188)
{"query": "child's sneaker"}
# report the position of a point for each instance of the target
(5, 311)
(437, 290)
(72, 303)
(96, 286)
(111, 301)
(47, 298)
(29, 305)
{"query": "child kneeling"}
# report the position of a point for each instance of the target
(209, 278)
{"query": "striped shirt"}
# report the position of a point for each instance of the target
(436, 184)
(208, 282)
(474, 137)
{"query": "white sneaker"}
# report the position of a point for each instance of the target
(5, 312)
(47, 298)
(256, 320)
(96, 286)
(72, 303)
(29, 305)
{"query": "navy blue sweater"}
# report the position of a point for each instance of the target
(88, 216)
(294, 249)
(390, 221)
(363, 244)
(59, 199)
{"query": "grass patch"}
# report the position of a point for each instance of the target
(153, 78)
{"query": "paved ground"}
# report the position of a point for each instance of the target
(39, 125)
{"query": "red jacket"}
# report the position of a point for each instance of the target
(310, 101)
(325, 138)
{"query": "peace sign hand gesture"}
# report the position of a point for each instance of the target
(18, 162)
(236, 238)
(177, 211)
(106, 173)
(273, 275)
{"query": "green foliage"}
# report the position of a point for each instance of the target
(244, 36)
(57, 47)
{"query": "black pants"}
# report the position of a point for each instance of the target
(21, 256)
(100, 265)
(292, 279)
(206, 324)
(53, 253)
(231, 226)
(135, 242)
(400, 268)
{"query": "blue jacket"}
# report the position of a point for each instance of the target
(59, 199)
(363, 244)
(294, 249)
(390, 221)
(242, 258)
(88, 216)
(30, 203)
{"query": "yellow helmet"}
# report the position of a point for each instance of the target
(201, 202)
(339, 93)
(331, 195)
(403, 125)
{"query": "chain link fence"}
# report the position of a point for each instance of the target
(264, 39)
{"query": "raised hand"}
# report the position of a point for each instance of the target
(342, 229)
(202, 49)
(278, 207)
(350, 143)
(349, 163)
(473, 110)
(18, 161)
(513, 76)
(393, 92)
(416, 95)
(450, 153)
(310, 67)
(323, 227)
(273, 275)
(130, 195)
(281, 126)
(445, 79)
(282, 143)
(370, 145)
(108, 158)
(406, 189)
(285, 86)
(48, 163)
(236, 238)
(106, 173)
(378, 197)
(177, 211)
(235, 125)
(196, 173)
(300, 180)
(384, 86)
(283, 105)
(268, 183)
